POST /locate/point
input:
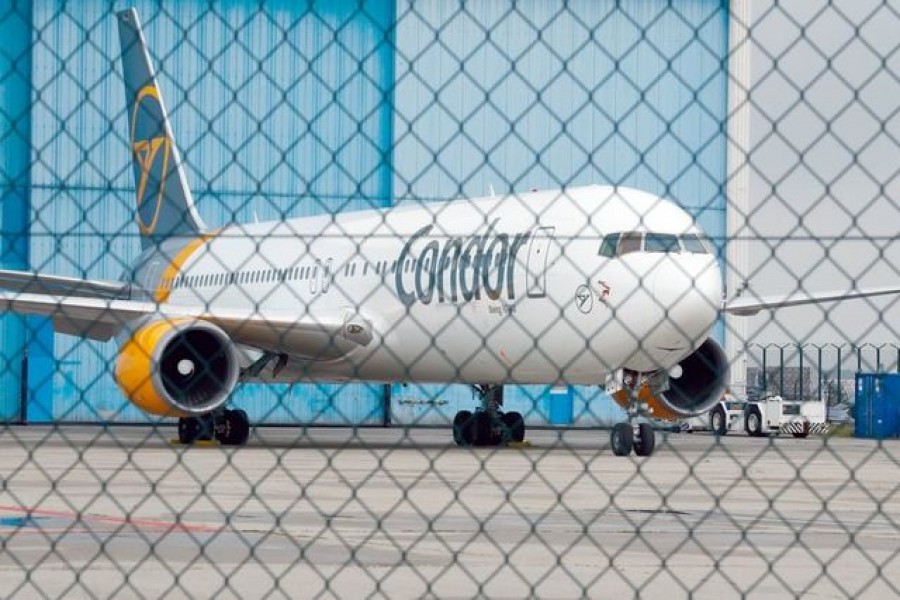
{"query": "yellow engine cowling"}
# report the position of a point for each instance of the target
(704, 375)
(178, 368)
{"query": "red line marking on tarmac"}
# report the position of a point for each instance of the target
(47, 532)
(139, 523)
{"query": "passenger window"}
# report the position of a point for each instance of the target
(630, 242)
(661, 242)
(608, 247)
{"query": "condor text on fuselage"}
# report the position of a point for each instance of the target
(452, 269)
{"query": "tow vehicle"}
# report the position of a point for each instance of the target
(772, 414)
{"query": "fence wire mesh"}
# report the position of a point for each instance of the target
(402, 299)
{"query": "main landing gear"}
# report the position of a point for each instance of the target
(631, 435)
(229, 427)
(488, 425)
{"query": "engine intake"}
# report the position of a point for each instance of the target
(178, 367)
(704, 374)
(699, 385)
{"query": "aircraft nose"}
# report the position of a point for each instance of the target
(688, 287)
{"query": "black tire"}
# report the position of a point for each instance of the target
(718, 421)
(188, 430)
(234, 428)
(621, 439)
(482, 429)
(462, 428)
(646, 440)
(514, 425)
(753, 422)
(243, 426)
(804, 433)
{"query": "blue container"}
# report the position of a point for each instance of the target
(878, 405)
(560, 402)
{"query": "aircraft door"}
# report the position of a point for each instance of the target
(152, 278)
(536, 267)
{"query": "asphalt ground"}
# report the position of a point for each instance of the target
(122, 512)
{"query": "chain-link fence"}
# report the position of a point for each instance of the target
(403, 299)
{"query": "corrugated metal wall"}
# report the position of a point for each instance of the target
(15, 131)
(278, 113)
(292, 111)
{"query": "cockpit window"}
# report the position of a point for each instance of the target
(630, 241)
(661, 242)
(608, 247)
(694, 244)
(617, 244)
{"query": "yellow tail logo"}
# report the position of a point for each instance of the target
(146, 152)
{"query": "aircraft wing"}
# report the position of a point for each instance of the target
(322, 337)
(748, 304)
(94, 318)
(36, 283)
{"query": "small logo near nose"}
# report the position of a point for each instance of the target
(584, 299)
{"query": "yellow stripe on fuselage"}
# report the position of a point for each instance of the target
(173, 269)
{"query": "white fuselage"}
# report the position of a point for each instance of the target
(489, 290)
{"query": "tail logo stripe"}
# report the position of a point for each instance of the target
(147, 155)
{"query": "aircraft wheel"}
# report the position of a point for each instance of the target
(646, 440)
(753, 422)
(462, 428)
(188, 430)
(621, 438)
(718, 421)
(234, 428)
(514, 425)
(482, 429)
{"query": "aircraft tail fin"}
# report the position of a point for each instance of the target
(165, 207)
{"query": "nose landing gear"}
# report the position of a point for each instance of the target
(488, 425)
(632, 435)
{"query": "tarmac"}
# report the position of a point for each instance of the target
(122, 512)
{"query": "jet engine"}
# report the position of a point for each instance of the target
(178, 368)
(690, 388)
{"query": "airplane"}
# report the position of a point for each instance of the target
(596, 285)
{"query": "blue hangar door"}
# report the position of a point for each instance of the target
(292, 119)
